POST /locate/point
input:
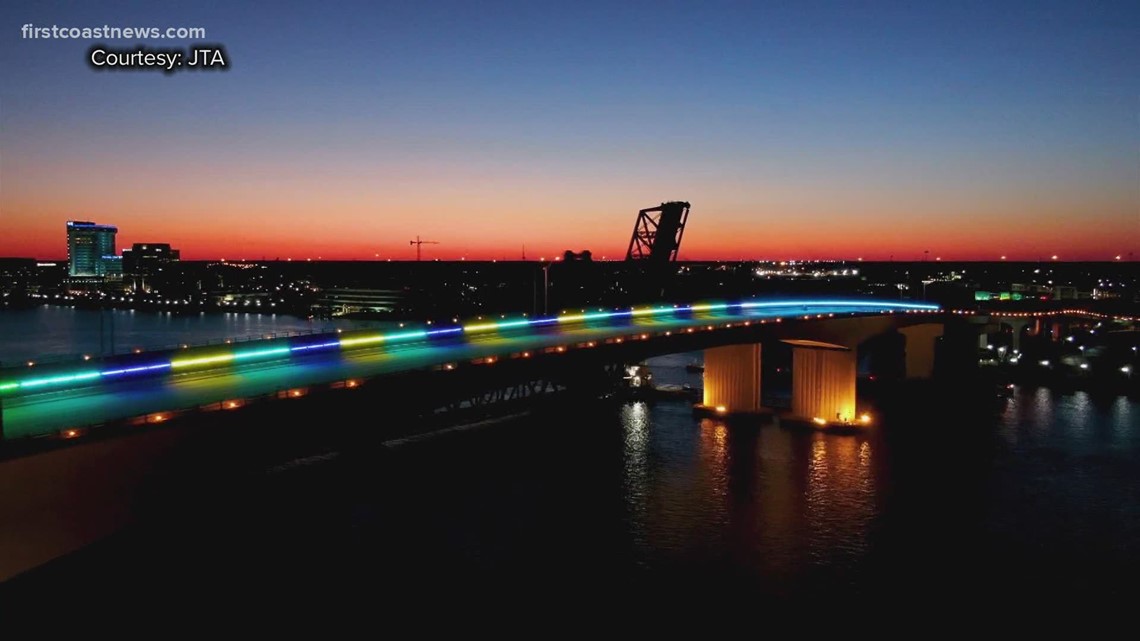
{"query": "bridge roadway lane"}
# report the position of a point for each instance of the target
(50, 411)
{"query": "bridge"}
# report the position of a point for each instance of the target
(82, 446)
(67, 400)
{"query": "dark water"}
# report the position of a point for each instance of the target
(49, 330)
(1038, 497)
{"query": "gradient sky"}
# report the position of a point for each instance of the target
(799, 129)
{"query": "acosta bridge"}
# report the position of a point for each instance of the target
(478, 362)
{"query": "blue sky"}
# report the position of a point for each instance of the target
(803, 123)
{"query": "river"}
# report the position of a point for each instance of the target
(1039, 497)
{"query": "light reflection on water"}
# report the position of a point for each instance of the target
(1044, 482)
(1037, 495)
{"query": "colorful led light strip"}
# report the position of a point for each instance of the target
(474, 328)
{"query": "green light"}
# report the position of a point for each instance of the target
(263, 352)
(36, 382)
(405, 336)
(207, 360)
(8, 386)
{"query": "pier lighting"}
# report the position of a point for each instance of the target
(70, 433)
(1044, 363)
(720, 409)
(818, 421)
(1126, 369)
(865, 418)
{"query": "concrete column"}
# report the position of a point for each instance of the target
(823, 382)
(732, 378)
(1017, 325)
(920, 343)
(983, 340)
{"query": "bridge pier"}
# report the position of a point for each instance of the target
(921, 342)
(823, 382)
(1017, 325)
(732, 379)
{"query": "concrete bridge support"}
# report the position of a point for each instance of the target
(1018, 325)
(823, 382)
(921, 343)
(732, 378)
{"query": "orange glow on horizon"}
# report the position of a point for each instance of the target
(269, 226)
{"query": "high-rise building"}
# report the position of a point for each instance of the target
(143, 262)
(146, 257)
(91, 249)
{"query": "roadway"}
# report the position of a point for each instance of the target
(52, 410)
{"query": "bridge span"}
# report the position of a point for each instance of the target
(65, 400)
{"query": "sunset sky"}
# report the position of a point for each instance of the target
(796, 130)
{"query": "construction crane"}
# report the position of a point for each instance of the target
(419, 244)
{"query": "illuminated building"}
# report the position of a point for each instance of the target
(91, 249)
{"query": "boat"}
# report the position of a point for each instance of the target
(694, 368)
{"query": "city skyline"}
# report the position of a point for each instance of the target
(972, 132)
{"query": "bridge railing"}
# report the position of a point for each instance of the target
(65, 358)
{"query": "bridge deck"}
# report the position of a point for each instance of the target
(93, 402)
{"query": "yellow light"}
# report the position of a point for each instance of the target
(865, 418)
(158, 418)
(231, 405)
(190, 362)
(351, 384)
(819, 421)
(71, 433)
(720, 409)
